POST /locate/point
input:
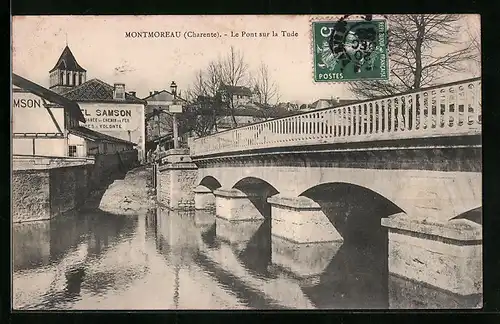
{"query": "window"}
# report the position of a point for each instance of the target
(74, 78)
(72, 150)
(67, 78)
(81, 78)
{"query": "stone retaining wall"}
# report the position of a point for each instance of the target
(44, 193)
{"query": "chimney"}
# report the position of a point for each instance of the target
(150, 93)
(119, 91)
(132, 93)
(337, 99)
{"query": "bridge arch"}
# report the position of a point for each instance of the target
(258, 191)
(354, 210)
(210, 183)
(474, 215)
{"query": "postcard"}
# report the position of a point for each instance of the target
(246, 162)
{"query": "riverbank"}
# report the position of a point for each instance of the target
(131, 195)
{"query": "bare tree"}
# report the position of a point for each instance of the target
(200, 116)
(268, 89)
(415, 60)
(231, 70)
(202, 106)
(474, 34)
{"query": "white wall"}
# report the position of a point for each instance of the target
(80, 143)
(33, 119)
(43, 146)
(117, 126)
(52, 147)
(22, 146)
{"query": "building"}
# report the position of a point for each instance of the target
(159, 121)
(41, 119)
(250, 114)
(45, 123)
(87, 142)
(67, 73)
(328, 103)
(239, 95)
(108, 109)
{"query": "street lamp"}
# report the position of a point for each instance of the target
(173, 89)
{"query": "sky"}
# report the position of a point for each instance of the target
(146, 64)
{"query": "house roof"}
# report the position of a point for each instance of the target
(256, 110)
(333, 102)
(51, 96)
(96, 136)
(237, 90)
(96, 90)
(67, 61)
(162, 94)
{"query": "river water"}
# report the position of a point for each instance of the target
(190, 260)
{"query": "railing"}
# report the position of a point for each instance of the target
(451, 109)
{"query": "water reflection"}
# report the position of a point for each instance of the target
(406, 294)
(192, 260)
(50, 257)
(354, 278)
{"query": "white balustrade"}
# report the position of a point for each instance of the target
(447, 110)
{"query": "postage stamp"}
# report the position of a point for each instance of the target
(350, 50)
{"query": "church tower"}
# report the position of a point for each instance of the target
(67, 73)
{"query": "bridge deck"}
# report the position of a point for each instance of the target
(449, 110)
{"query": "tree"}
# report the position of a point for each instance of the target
(268, 90)
(231, 70)
(413, 41)
(200, 116)
(474, 34)
(203, 105)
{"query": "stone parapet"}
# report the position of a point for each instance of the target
(176, 181)
(176, 156)
(446, 255)
(301, 220)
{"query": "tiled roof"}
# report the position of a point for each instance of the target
(159, 95)
(237, 90)
(333, 102)
(96, 90)
(96, 136)
(255, 110)
(68, 62)
(51, 96)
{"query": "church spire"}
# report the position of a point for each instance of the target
(66, 73)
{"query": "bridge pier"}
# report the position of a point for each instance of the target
(203, 218)
(303, 240)
(176, 180)
(204, 198)
(446, 255)
(235, 205)
(301, 220)
(236, 233)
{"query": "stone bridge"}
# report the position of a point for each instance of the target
(410, 162)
